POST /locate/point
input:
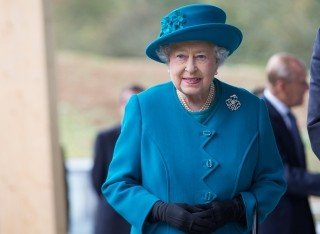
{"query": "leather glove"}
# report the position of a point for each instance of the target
(191, 208)
(178, 217)
(222, 212)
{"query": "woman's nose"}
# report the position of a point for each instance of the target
(190, 66)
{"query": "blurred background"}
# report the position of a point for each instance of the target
(100, 49)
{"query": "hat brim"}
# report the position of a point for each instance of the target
(222, 35)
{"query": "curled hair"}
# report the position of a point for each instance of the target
(163, 53)
(221, 53)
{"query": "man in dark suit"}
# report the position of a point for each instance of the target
(107, 220)
(286, 88)
(314, 98)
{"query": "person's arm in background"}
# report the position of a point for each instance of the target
(301, 182)
(314, 98)
(98, 172)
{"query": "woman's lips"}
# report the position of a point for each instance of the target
(191, 80)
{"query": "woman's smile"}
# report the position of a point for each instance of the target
(191, 81)
(192, 66)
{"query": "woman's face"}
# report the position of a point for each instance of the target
(192, 66)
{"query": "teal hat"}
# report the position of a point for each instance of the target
(196, 22)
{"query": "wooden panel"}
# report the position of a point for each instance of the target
(31, 174)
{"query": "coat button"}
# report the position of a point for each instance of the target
(207, 133)
(208, 196)
(209, 163)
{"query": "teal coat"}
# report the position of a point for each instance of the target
(165, 153)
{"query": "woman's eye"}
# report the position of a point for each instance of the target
(181, 56)
(201, 57)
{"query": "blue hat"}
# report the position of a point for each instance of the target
(196, 22)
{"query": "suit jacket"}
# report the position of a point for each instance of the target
(314, 98)
(292, 215)
(107, 220)
(164, 153)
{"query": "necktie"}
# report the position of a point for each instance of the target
(296, 137)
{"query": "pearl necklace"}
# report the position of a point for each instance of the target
(205, 106)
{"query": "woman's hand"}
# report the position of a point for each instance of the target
(191, 208)
(220, 213)
(177, 215)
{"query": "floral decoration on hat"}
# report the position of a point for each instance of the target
(195, 22)
(172, 22)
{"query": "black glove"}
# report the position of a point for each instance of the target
(222, 212)
(191, 208)
(178, 217)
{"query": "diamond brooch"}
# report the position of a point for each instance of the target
(233, 103)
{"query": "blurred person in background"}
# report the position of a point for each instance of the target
(314, 98)
(66, 187)
(287, 85)
(107, 220)
(195, 155)
(258, 91)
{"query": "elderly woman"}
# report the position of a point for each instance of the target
(195, 154)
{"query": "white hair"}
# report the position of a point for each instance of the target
(221, 53)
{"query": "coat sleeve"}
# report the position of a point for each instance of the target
(123, 188)
(268, 183)
(301, 182)
(314, 98)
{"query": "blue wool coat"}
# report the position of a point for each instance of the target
(165, 153)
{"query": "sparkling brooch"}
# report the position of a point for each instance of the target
(172, 22)
(233, 103)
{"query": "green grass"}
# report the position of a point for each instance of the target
(77, 132)
(88, 86)
(78, 128)
(313, 162)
